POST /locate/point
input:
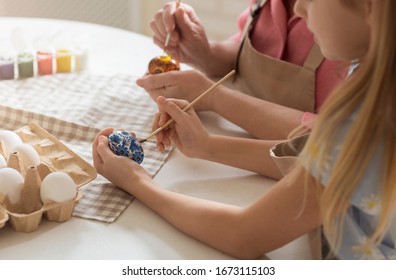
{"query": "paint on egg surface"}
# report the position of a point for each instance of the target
(124, 144)
(162, 64)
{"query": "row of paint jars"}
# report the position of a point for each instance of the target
(29, 64)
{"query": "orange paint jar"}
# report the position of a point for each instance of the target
(44, 62)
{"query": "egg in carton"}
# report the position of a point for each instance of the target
(47, 185)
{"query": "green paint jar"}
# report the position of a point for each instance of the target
(25, 65)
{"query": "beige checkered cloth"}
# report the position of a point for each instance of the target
(74, 108)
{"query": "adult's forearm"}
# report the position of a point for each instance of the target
(262, 119)
(220, 59)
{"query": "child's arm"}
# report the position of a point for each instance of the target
(284, 213)
(193, 140)
(277, 218)
(244, 153)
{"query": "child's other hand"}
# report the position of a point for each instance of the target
(121, 171)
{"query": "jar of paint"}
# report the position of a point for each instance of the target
(45, 62)
(25, 65)
(63, 61)
(7, 68)
(81, 58)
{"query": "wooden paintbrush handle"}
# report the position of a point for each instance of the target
(189, 106)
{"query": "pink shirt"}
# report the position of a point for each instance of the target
(291, 41)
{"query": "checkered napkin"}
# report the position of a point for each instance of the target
(74, 108)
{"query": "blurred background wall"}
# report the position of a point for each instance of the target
(218, 16)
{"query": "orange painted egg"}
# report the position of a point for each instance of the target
(163, 63)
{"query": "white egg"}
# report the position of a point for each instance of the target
(9, 139)
(11, 183)
(28, 154)
(3, 162)
(58, 187)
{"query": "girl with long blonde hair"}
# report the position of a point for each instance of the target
(353, 150)
(349, 155)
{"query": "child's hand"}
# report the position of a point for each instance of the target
(187, 132)
(121, 171)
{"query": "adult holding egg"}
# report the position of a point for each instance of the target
(165, 62)
(282, 78)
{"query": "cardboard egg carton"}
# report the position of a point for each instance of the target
(3, 216)
(26, 215)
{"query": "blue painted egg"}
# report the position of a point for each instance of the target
(124, 144)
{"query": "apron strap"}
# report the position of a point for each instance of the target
(254, 12)
(314, 58)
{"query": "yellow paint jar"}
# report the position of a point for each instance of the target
(63, 61)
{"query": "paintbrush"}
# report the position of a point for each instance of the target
(170, 32)
(189, 106)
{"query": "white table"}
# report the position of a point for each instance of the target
(138, 233)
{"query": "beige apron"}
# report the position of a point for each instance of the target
(283, 83)
(285, 156)
(272, 79)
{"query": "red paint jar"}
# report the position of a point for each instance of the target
(45, 62)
